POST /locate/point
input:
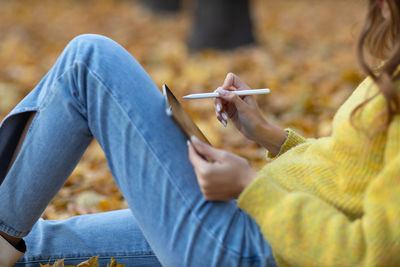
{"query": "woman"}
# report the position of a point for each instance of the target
(326, 202)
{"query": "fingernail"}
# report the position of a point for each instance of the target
(218, 107)
(224, 123)
(222, 91)
(188, 142)
(224, 116)
(195, 139)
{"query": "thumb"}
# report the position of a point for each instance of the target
(233, 80)
(205, 149)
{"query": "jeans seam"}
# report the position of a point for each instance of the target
(56, 258)
(4, 227)
(67, 69)
(79, 256)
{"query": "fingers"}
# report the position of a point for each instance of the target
(206, 150)
(220, 111)
(197, 161)
(233, 80)
(202, 166)
(249, 99)
(223, 180)
(230, 101)
(233, 98)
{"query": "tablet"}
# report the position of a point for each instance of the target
(180, 116)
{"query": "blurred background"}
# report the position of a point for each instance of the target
(302, 49)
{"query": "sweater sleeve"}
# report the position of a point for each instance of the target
(304, 230)
(293, 139)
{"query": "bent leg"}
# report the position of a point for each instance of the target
(97, 89)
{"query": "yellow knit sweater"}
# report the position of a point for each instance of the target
(333, 201)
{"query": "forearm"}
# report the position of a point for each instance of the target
(270, 136)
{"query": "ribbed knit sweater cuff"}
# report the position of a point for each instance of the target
(293, 139)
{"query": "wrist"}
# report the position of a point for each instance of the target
(271, 137)
(247, 181)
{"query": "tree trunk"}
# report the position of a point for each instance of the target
(162, 5)
(221, 24)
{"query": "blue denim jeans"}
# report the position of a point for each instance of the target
(96, 89)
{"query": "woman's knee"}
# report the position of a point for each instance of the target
(109, 63)
(91, 40)
(93, 47)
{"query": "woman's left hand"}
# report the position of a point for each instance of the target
(224, 178)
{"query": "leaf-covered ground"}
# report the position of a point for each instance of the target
(305, 54)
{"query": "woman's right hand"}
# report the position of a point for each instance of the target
(243, 111)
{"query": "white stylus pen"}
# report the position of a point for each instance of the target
(240, 92)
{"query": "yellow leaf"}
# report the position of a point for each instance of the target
(59, 263)
(115, 264)
(92, 262)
